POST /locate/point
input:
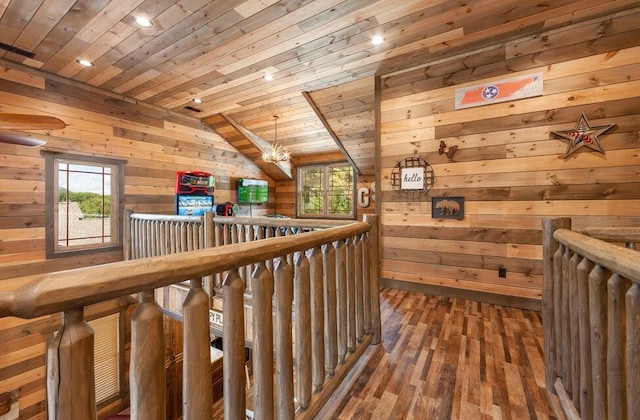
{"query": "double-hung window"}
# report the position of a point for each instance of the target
(326, 191)
(84, 204)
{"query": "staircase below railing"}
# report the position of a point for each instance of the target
(591, 314)
(326, 280)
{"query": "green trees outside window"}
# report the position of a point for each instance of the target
(326, 191)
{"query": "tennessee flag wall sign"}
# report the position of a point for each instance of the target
(511, 89)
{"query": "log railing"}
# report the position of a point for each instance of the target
(302, 295)
(591, 316)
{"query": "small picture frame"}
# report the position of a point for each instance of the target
(447, 208)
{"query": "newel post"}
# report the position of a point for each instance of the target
(126, 236)
(70, 376)
(549, 247)
(374, 272)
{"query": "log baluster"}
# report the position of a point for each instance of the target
(70, 370)
(147, 372)
(351, 294)
(143, 238)
(173, 236)
(366, 283)
(196, 383)
(341, 297)
(304, 360)
(133, 240)
(557, 313)
(243, 237)
(330, 305)
(317, 317)
(288, 232)
(616, 345)
(374, 273)
(359, 291)
(183, 237)
(633, 351)
(598, 320)
(162, 238)
(219, 241)
(565, 343)
(284, 393)
(269, 233)
(233, 347)
(574, 335)
(209, 235)
(262, 321)
(152, 236)
(584, 331)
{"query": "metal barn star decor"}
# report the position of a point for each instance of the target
(583, 135)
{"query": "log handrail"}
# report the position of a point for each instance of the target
(614, 234)
(591, 319)
(303, 380)
(45, 294)
(621, 260)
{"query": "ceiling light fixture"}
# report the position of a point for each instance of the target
(143, 21)
(197, 100)
(268, 77)
(277, 153)
(377, 40)
(85, 63)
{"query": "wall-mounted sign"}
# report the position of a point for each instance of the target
(412, 178)
(503, 90)
(447, 208)
(215, 318)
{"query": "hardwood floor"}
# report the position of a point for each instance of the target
(445, 358)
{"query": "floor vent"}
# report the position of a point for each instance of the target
(16, 50)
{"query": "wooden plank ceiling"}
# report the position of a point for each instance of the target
(220, 51)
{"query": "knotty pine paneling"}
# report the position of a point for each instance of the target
(509, 166)
(154, 142)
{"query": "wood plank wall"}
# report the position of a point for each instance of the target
(155, 144)
(509, 167)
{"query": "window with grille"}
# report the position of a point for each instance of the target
(326, 191)
(83, 204)
(106, 353)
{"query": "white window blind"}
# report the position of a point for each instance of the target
(106, 356)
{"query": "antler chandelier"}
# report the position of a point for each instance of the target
(277, 153)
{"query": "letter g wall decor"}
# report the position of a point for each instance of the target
(412, 177)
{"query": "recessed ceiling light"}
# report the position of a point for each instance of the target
(268, 77)
(143, 21)
(197, 100)
(377, 40)
(85, 63)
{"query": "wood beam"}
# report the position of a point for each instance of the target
(333, 135)
(284, 168)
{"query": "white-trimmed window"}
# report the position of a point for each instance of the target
(84, 203)
(106, 353)
(326, 191)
